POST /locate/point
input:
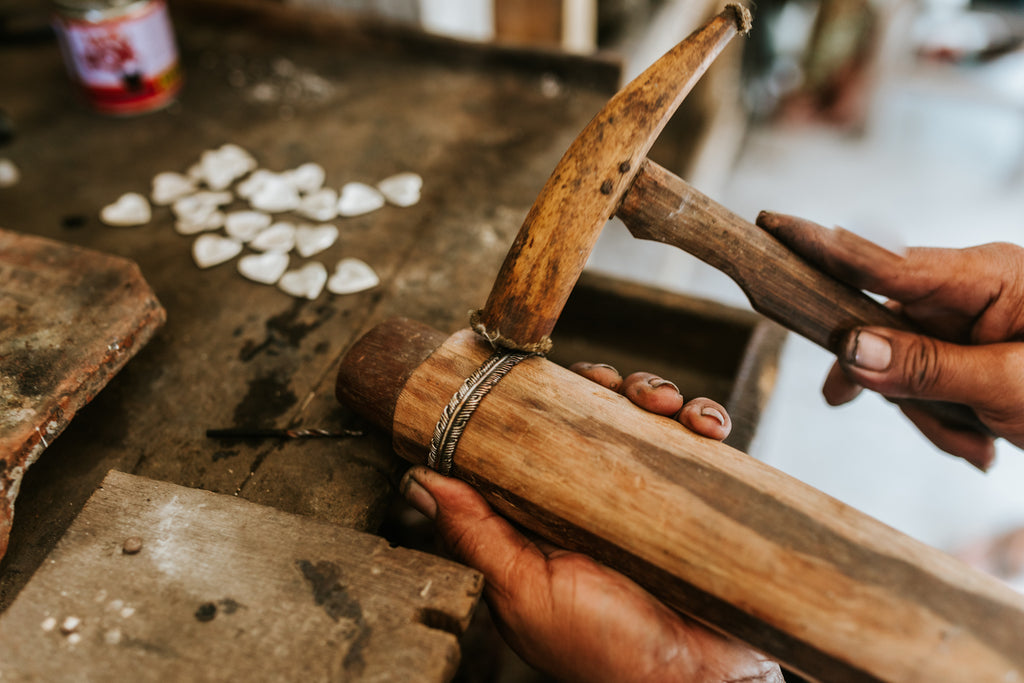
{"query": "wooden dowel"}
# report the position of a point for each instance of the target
(830, 592)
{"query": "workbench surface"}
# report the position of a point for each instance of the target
(482, 127)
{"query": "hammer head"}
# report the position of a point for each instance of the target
(563, 225)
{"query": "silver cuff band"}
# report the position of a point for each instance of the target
(462, 405)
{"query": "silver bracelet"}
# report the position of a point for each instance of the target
(464, 403)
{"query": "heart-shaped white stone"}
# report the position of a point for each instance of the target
(275, 195)
(312, 239)
(131, 208)
(196, 206)
(321, 205)
(352, 275)
(199, 223)
(221, 167)
(402, 189)
(210, 250)
(254, 182)
(266, 268)
(306, 282)
(170, 186)
(245, 225)
(359, 198)
(308, 177)
(278, 237)
(9, 173)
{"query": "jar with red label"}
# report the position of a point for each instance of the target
(121, 53)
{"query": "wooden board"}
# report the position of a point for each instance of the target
(70, 318)
(223, 589)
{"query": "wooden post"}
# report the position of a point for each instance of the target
(828, 591)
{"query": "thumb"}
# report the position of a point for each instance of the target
(905, 365)
(471, 531)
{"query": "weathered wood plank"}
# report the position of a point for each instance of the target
(70, 318)
(224, 589)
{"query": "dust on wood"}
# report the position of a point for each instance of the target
(70, 318)
(225, 589)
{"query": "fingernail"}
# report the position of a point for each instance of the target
(708, 411)
(765, 219)
(418, 497)
(659, 383)
(869, 351)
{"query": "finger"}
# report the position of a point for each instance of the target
(605, 375)
(904, 365)
(706, 417)
(652, 393)
(977, 449)
(839, 388)
(941, 286)
(473, 533)
(840, 253)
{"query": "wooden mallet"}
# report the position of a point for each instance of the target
(830, 592)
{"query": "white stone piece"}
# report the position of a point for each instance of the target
(130, 209)
(198, 223)
(278, 237)
(321, 205)
(211, 250)
(251, 185)
(196, 206)
(200, 212)
(352, 275)
(9, 173)
(359, 198)
(308, 177)
(402, 189)
(246, 225)
(169, 186)
(266, 268)
(312, 239)
(306, 282)
(275, 195)
(225, 165)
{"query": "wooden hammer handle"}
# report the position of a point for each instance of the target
(780, 284)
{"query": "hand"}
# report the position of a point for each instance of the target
(563, 612)
(970, 304)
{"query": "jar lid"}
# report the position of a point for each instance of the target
(94, 10)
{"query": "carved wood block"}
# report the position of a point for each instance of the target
(169, 583)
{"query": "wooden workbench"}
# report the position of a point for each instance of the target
(482, 126)
(474, 122)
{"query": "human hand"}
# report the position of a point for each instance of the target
(565, 613)
(968, 302)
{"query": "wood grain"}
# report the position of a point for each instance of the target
(70, 318)
(224, 589)
(830, 592)
(560, 231)
(778, 282)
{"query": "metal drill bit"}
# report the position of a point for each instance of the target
(298, 433)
